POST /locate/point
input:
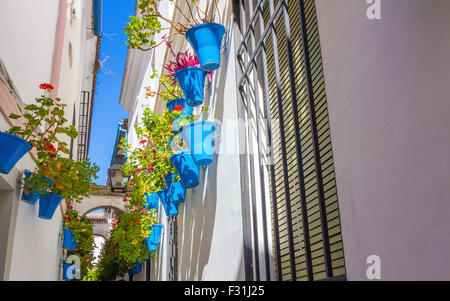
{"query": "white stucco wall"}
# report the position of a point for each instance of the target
(30, 246)
(27, 41)
(387, 83)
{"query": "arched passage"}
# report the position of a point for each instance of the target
(103, 198)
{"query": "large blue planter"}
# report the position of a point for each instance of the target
(154, 238)
(68, 276)
(170, 207)
(12, 149)
(48, 202)
(69, 241)
(192, 82)
(206, 40)
(152, 201)
(188, 171)
(32, 198)
(136, 269)
(199, 136)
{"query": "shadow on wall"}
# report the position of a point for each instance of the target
(196, 220)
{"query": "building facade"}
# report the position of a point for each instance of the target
(332, 151)
(50, 41)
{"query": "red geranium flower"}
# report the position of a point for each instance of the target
(70, 207)
(86, 259)
(178, 108)
(46, 86)
(137, 170)
(125, 200)
(143, 141)
(130, 223)
(150, 167)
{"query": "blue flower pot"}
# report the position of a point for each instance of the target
(177, 192)
(192, 82)
(32, 198)
(69, 241)
(135, 270)
(48, 202)
(68, 275)
(168, 179)
(187, 110)
(199, 136)
(154, 238)
(152, 201)
(206, 40)
(12, 149)
(170, 207)
(188, 171)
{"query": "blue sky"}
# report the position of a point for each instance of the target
(107, 111)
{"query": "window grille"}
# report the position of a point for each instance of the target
(290, 208)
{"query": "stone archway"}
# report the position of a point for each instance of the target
(103, 198)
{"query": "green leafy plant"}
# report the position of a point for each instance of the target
(131, 228)
(43, 125)
(151, 21)
(83, 232)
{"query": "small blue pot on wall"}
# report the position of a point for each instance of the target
(32, 198)
(199, 136)
(170, 207)
(188, 171)
(12, 149)
(192, 82)
(154, 238)
(206, 40)
(68, 271)
(69, 241)
(152, 201)
(137, 269)
(48, 202)
(176, 190)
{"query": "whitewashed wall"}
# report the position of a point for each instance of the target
(387, 84)
(30, 246)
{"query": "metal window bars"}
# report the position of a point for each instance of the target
(282, 99)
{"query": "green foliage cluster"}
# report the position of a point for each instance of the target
(150, 21)
(44, 126)
(83, 232)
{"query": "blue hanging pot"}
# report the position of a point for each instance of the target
(192, 82)
(48, 202)
(152, 201)
(177, 192)
(32, 198)
(68, 272)
(199, 136)
(69, 241)
(12, 149)
(168, 179)
(137, 269)
(206, 40)
(170, 207)
(187, 110)
(188, 171)
(154, 238)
